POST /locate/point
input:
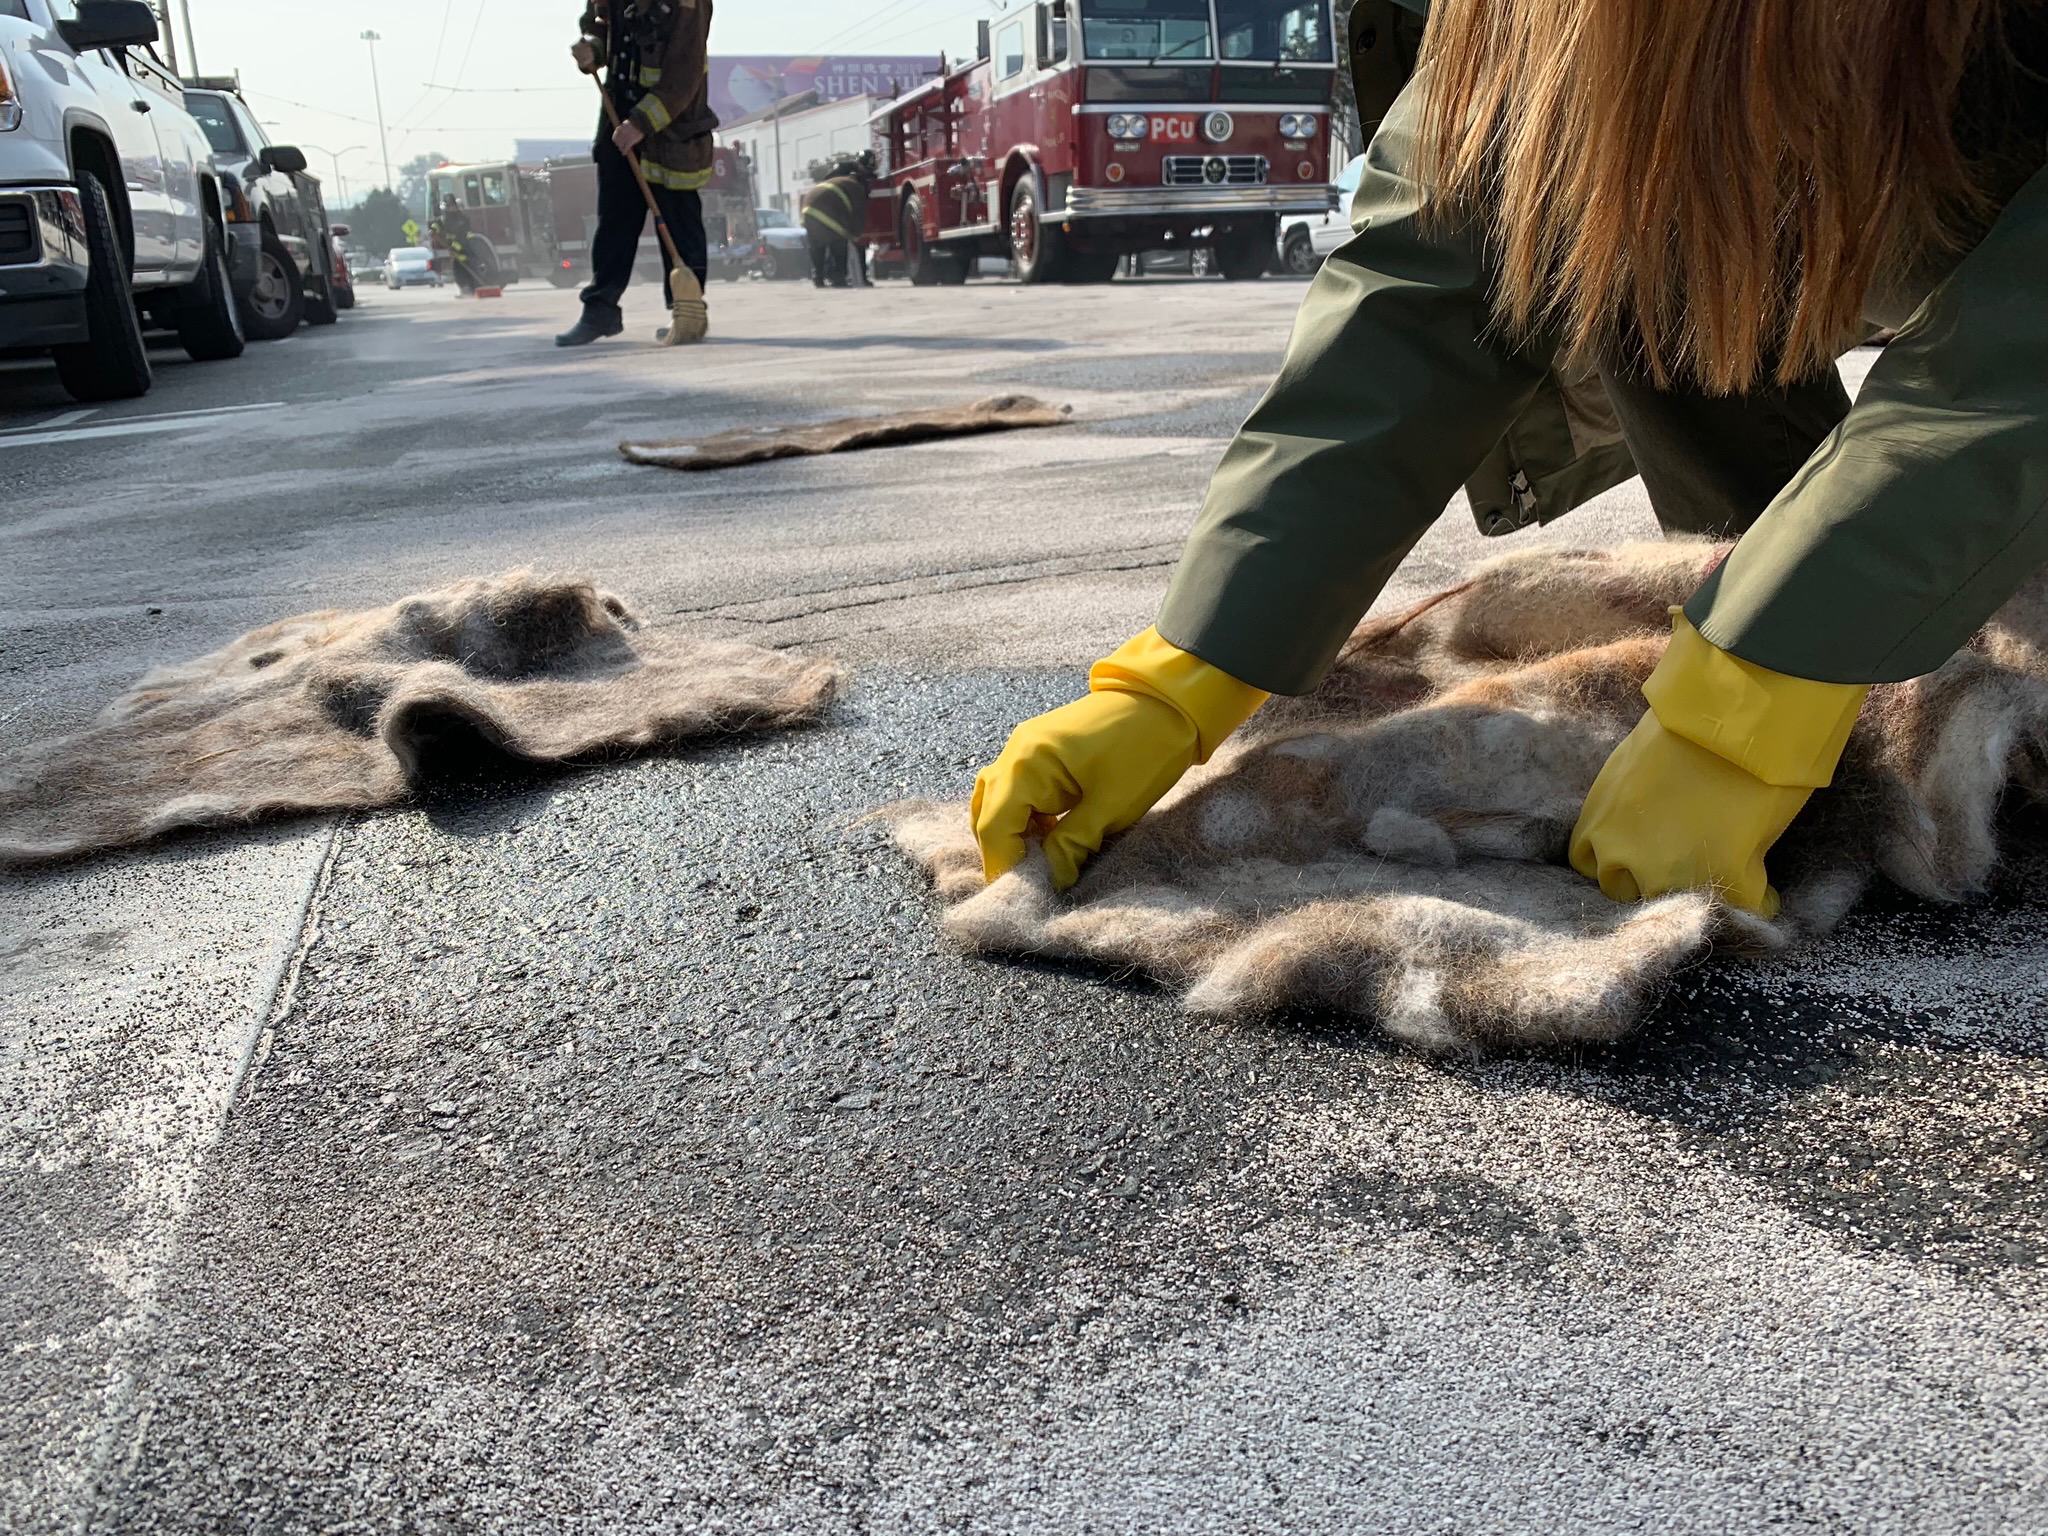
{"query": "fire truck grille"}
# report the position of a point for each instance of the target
(18, 242)
(1215, 170)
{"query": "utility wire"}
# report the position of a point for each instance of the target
(475, 27)
(868, 23)
(447, 10)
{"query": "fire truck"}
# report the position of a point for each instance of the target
(505, 204)
(1088, 130)
(571, 195)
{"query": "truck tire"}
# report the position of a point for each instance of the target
(208, 324)
(112, 363)
(1038, 248)
(567, 277)
(925, 265)
(479, 266)
(322, 308)
(1298, 255)
(1244, 254)
(278, 301)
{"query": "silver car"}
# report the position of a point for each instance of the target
(784, 250)
(411, 266)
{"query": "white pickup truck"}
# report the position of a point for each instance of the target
(109, 200)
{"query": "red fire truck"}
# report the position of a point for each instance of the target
(728, 202)
(504, 204)
(1088, 130)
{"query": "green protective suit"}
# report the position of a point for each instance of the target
(1874, 539)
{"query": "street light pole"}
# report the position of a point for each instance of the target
(340, 181)
(191, 48)
(373, 39)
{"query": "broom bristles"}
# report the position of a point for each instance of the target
(689, 317)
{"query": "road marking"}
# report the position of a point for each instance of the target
(130, 426)
(68, 419)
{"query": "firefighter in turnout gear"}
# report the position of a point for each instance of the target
(655, 57)
(835, 211)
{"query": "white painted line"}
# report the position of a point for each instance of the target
(68, 419)
(133, 426)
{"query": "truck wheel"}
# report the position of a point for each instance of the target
(480, 262)
(1244, 254)
(322, 308)
(564, 276)
(278, 301)
(209, 326)
(926, 266)
(1298, 255)
(112, 363)
(1037, 247)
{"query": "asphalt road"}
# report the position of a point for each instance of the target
(626, 1153)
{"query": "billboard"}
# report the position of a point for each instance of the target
(746, 84)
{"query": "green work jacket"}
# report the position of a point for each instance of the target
(1922, 512)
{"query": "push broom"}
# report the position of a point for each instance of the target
(689, 320)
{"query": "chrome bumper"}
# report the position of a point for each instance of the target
(44, 267)
(1128, 202)
(44, 233)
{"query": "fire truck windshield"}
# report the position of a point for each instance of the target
(1146, 31)
(1251, 31)
(1276, 31)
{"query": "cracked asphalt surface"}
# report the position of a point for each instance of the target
(626, 1152)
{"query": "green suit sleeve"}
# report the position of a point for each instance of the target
(1396, 385)
(1929, 505)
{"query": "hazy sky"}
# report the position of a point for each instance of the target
(464, 77)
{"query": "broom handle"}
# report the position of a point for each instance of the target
(668, 241)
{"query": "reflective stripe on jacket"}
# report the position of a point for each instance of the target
(838, 205)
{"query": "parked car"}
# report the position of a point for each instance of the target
(410, 266)
(109, 200)
(344, 279)
(783, 249)
(296, 269)
(1305, 242)
(1192, 260)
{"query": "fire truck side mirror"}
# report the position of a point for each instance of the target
(981, 39)
(1059, 10)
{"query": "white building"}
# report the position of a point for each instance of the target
(784, 140)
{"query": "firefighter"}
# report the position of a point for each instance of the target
(1528, 201)
(453, 228)
(835, 211)
(654, 54)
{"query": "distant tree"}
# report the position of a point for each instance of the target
(412, 181)
(377, 223)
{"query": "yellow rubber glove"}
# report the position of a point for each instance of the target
(1711, 777)
(1152, 712)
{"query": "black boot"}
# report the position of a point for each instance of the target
(595, 325)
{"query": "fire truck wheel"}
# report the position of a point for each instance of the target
(926, 266)
(1244, 254)
(1037, 247)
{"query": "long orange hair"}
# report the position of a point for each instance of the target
(1703, 188)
